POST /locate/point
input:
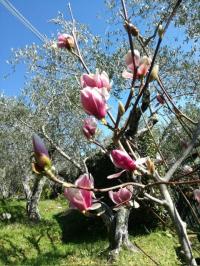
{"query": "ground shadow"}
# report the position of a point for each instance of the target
(143, 220)
(78, 228)
(13, 254)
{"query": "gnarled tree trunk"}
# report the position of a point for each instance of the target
(117, 227)
(33, 197)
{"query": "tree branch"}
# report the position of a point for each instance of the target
(191, 145)
(66, 156)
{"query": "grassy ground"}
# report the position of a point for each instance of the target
(61, 239)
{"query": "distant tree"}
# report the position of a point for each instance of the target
(160, 81)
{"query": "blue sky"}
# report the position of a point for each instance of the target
(15, 35)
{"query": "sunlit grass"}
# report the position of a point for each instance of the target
(72, 239)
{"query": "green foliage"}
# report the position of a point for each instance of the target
(174, 138)
(147, 145)
(25, 243)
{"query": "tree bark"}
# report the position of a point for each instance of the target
(117, 227)
(27, 189)
(33, 198)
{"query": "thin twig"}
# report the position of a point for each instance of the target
(79, 55)
(157, 146)
(156, 263)
(176, 110)
(66, 156)
(100, 145)
(161, 202)
(134, 184)
(190, 206)
(172, 170)
(125, 16)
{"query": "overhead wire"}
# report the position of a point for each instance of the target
(25, 21)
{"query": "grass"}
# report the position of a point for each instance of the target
(72, 239)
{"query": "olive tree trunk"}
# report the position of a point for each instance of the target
(117, 227)
(33, 197)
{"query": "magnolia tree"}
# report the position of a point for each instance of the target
(137, 177)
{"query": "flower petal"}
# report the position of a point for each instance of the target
(93, 102)
(129, 58)
(114, 196)
(116, 175)
(121, 159)
(127, 75)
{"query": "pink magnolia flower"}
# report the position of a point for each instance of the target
(121, 159)
(93, 102)
(65, 41)
(41, 154)
(89, 127)
(142, 65)
(79, 198)
(96, 80)
(123, 195)
(197, 195)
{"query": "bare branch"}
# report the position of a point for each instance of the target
(161, 202)
(191, 145)
(79, 55)
(66, 156)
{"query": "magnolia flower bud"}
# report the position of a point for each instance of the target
(93, 102)
(122, 160)
(154, 73)
(132, 29)
(42, 159)
(150, 166)
(89, 127)
(160, 31)
(121, 108)
(65, 41)
(154, 118)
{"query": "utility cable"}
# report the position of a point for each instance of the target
(26, 23)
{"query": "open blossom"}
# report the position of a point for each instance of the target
(65, 41)
(41, 154)
(123, 195)
(79, 198)
(96, 80)
(93, 102)
(142, 64)
(122, 160)
(89, 127)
